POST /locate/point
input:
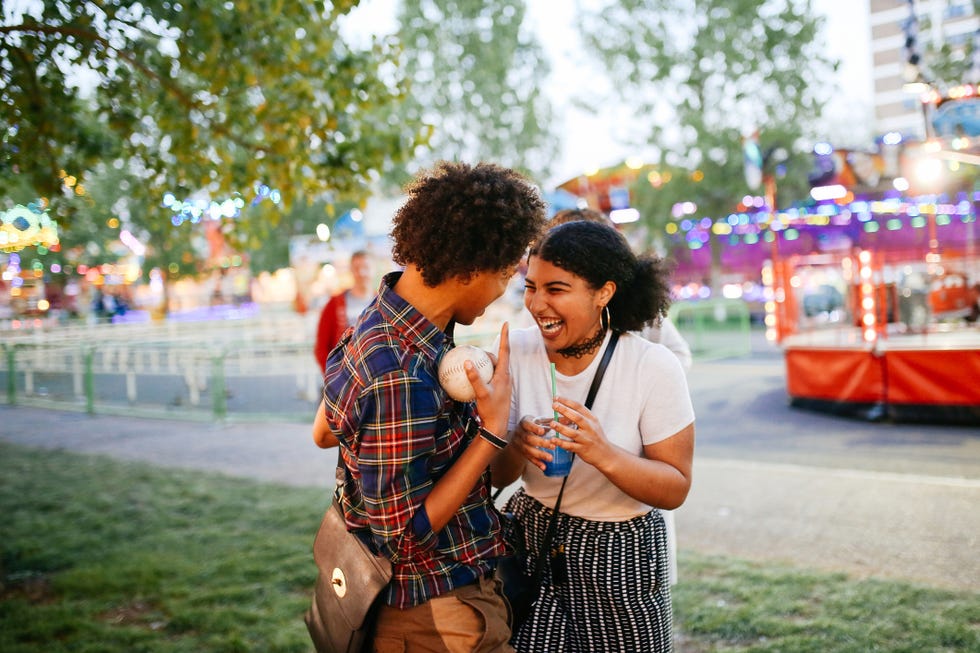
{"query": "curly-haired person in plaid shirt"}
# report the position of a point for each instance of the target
(418, 488)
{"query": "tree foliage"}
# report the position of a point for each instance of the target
(948, 62)
(702, 76)
(210, 98)
(476, 75)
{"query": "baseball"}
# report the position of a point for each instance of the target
(452, 374)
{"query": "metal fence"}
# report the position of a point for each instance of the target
(226, 370)
(257, 368)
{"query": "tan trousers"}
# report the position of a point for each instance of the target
(471, 619)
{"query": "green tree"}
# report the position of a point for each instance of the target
(300, 220)
(705, 74)
(476, 75)
(947, 62)
(105, 209)
(211, 98)
(94, 236)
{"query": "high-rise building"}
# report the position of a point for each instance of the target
(903, 34)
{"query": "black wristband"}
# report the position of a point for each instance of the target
(495, 440)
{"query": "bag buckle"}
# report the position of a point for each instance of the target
(339, 582)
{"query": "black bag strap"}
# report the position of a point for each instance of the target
(601, 371)
(553, 522)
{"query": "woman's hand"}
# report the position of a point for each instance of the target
(585, 437)
(528, 438)
(660, 477)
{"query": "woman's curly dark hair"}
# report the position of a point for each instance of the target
(571, 215)
(461, 219)
(598, 253)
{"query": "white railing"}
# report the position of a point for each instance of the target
(255, 367)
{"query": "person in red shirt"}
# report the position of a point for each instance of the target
(344, 307)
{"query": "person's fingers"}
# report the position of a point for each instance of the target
(480, 389)
(502, 362)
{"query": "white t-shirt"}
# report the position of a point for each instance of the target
(643, 399)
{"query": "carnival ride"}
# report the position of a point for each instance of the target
(21, 227)
(904, 342)
(887, 342)
(871, 289)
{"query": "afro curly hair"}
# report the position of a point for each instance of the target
(598, 253)
(462, 219)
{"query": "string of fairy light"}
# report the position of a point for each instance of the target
(193, 211)
(33, 226)
(890, 214)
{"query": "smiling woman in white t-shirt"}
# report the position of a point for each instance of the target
(634, 448)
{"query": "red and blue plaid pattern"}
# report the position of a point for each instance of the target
(399, 432)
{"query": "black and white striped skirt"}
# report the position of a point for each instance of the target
(615, 594)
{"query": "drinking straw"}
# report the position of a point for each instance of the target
(554, 389)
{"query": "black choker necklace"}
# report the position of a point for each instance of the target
(585, 347)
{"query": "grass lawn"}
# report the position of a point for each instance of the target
(103, 556)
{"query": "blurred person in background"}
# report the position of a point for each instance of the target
(974, 314)
(344, 307)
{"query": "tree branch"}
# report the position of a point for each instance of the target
(39, 98)
(186, 101)
(95, 37)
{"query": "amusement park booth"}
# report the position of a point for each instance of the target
(883, 324)
(873, 299)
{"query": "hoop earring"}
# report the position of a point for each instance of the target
(608, 316)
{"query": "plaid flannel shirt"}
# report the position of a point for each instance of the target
(399, 432)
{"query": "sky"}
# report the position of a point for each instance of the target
(609, 136)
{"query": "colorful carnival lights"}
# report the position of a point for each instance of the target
(891, 214)
(27, 226)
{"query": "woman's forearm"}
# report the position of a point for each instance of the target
(661, 477)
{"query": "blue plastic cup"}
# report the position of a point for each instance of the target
(561, 462)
